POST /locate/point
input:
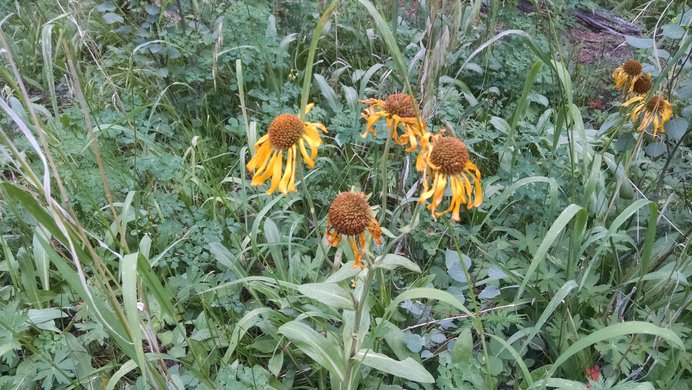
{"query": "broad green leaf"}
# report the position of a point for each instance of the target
(347, 271)
(315, 346)
(428, 293)
(407, 368)
(328, 93)
(391, 261)
(331, 294)
(640, 43)
(676, 128)
(395, 338)
(45, 318)
(129, 286)
(463, 347)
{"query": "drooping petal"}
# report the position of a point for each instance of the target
(276, 175)
(290, 166)
(309, 161)
(357, 256)
(375, 231)
(265, 172)
(261, 141)
(260, 158)
(292, 181)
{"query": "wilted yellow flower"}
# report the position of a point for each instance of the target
(447, 160)
(398, 109)
(642, 85)
(349, 215)
(657, 111)
(627, 74)
(287, 133)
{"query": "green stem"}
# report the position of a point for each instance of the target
(478, 323)
(311, 206)
(383, 175)
(360, 305)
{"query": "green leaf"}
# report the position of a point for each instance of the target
(672, 31)
(307, 74)
(315, 346)
(45, 318)
(655, 149)
(549, 239)
(328, 93)
(331, 294)
(111, 18)
(407, 368)
(463, 347)
(676, 128)
(129, 286)
(617, 330)
(428, 293)
(249, 320)
(639, 43)
(391, 261)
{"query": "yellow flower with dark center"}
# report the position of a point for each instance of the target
(656, 111)
(398, 109)
(447, 160)
(349, 215)
(287, 133)
(627, 74)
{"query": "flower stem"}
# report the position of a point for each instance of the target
(355, 342)
(311, 206)
(383, 174)
(478, 323)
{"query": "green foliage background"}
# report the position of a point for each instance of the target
(135, 253)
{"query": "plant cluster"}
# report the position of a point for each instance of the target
(176, 213)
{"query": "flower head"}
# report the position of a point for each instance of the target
(398, 109)
(349, 215)
(642, 85)
(657, 111)
(447, 160)
(593, 374)
(627, 74)
(287, 133)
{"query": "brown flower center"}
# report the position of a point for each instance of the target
(642, 85)
(285, 130)
(632, 67)
(349, 213)
(656, 104)
(450, 154)
(400, 104)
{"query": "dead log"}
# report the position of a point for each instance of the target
(599, 20)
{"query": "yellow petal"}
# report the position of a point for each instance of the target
(290, 165)
(276, 174)
(309, 161)
(292, 182)
(261, 157)
(263, 174)
(308, 108)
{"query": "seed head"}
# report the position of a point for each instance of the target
(642, 85)
(655, 104)
(632, 67)
(349, 213)
(400, 104)
(450, 154)
(285, 130)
